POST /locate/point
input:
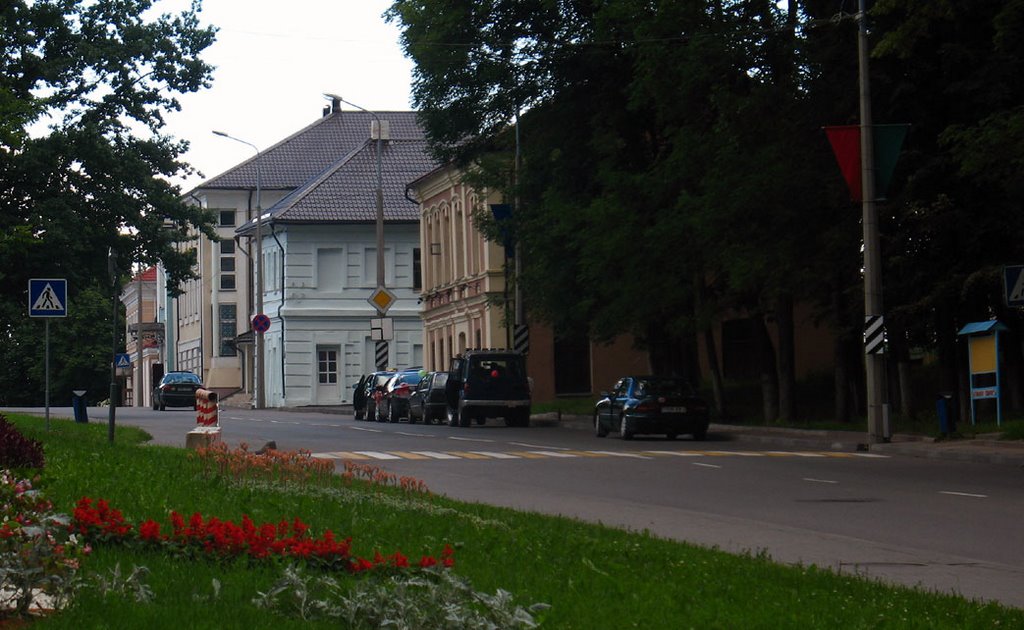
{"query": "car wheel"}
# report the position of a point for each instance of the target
(358, 415)
(671, 436)
(599, 429)
(465, 419)
(480, 419)
(163, 407)
(701, 435)
(453, 417)
(625, 431)
(392, 416)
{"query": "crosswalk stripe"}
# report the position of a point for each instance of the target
(553, 454)
(584, 453)
(340, 455)
(618, 454)
(409, 455)
(378, 455)
(494, 455)
(527, 454)
(468, 455)
(436, 455)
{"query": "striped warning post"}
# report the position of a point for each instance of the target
(207, 410)
(381, 355)
(521, 339)
(874, 334)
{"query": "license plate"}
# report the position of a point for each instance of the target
(673, 410)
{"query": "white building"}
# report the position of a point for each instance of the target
(317, 190)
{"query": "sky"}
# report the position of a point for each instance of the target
(273, 62)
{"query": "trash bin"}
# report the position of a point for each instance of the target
(80, 405)
(946, 412)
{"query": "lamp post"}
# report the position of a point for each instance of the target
(380, 189)
(258, 270)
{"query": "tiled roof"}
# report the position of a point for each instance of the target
(347, 191)
(304, 155)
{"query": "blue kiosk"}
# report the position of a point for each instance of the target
(983, 356)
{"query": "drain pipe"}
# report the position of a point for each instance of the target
(273, 233)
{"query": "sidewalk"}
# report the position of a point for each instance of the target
(986, 451)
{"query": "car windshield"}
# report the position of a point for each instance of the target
(181, 378)
(662, 387)
(411, 378)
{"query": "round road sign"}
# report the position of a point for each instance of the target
(261, 323)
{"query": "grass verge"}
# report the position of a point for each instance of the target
(591, 576)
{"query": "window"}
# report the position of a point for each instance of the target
(227, 218)
(329, 269)
(227, 265)
(417, 269)
(228, 315)
(327, 366)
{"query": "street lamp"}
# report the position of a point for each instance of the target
(258, 267)
(380, 189)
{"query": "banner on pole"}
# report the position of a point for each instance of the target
(845, 141)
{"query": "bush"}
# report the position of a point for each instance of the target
(16, 450)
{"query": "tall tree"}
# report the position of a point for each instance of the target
(84, 162)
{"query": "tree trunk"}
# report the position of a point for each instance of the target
(842, 379)
(767, 368)
(786, 357)
(704, 325)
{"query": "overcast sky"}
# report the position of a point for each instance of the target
(273, 62)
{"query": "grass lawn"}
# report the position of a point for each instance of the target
(591, 576)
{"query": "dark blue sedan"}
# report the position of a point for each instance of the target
(651, 404)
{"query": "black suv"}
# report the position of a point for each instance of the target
(488, 384)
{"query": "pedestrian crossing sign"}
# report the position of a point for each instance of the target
(48, 297)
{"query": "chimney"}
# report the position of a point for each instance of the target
(380, 132)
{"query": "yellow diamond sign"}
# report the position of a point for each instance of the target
(382, 299)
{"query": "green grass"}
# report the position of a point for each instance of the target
(592, 576)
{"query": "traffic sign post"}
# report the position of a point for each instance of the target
(47, 297)
(261, 323)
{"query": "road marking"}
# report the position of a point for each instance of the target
(283, 422)
(315, 424)
(618, 454)
(543, 446)
(527, 454)
(813, 480)
(436, 455)
(414, 434)
(468, 455)
(378, 455)
(964, 494)
(409, 455)
(494, 455)
(366, 429)
(568, 454)
(705, 465)
(465, 439)
(553, 454)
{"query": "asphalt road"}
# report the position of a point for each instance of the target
(945, 525)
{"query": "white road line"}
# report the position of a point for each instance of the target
(964, 494)
(366, 429)
(325, 425)
(739, 453)
(553, 454)
(871, 455)
(465, 439)
(676, 453)
(496, 455)
(705, 465)
(413, 434)
(283, 422)
(618, 454)
(543, 446)
(436, 455)
(813, 480)
(377, 454)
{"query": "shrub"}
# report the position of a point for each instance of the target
(16, 450)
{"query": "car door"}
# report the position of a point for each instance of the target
(618, 399)
(419, 396)
(605, 407)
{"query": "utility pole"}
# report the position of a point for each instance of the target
(874, 363)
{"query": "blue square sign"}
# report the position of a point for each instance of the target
(48, 297)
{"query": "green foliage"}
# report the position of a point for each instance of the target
(85, 168)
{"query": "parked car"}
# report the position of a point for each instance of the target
(393, 403)
(176, 389)
(651, 404)
(366, 394)
(426, 402)
(488, 384)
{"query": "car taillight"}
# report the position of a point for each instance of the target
(648, 407)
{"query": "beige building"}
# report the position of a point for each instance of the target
(465, 303)
(144, 339)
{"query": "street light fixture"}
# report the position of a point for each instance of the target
(258, 267)
(380, 188)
